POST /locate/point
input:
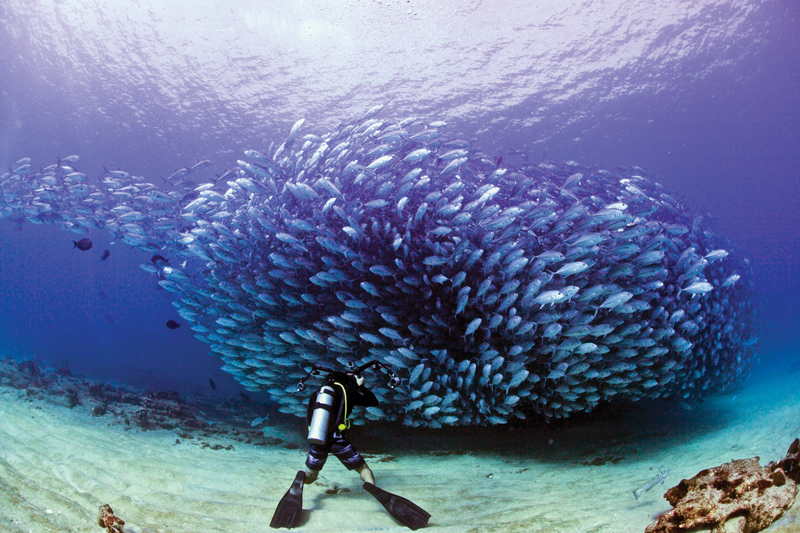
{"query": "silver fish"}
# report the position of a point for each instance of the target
(656, 480)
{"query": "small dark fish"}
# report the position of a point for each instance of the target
(171, 324)
(213, 385)
(159, 258)
(106, 253)
(83, 244)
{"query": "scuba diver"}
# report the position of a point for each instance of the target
(328, 412)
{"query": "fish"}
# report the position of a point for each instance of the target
(568, 269)
(473, 326)
(417, 155)
(656, 480)
(394, 242)
(258, 421)
(380, 162)
(204, 163)
(435, 261)
(171, 324)
(105, 255)
(698, 288)
(715, 255)
(295, 130)
(178, 174)
(83, 244)
(551, 256)
(548, 297)
(616, 300)
(730, 280)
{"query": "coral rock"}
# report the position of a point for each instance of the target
(140, 419)
(736, 497)
(790, 465)
(113, 524)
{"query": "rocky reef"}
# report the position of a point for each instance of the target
(736, 497)
(214, 422)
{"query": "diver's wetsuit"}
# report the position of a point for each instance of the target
(337, 443)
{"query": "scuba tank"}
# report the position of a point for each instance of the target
(323, 413)
(321, 417)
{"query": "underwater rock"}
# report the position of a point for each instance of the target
(108, 520)
(140, 419)
(72, 399)
(494, 292)
(790, 465)
(735, 497)
(30, 368)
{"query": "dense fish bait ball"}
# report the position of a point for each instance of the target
(494, 293)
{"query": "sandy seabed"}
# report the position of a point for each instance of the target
(59, 465)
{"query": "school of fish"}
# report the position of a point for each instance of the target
(494, 293)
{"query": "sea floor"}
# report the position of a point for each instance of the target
(60, 460)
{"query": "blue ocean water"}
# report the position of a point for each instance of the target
(703, 96)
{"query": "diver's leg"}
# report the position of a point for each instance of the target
(315, 460)
(366, 474)
(311, 476)
(350, 458)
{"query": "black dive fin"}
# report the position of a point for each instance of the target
(290, 506)
(406, 512)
